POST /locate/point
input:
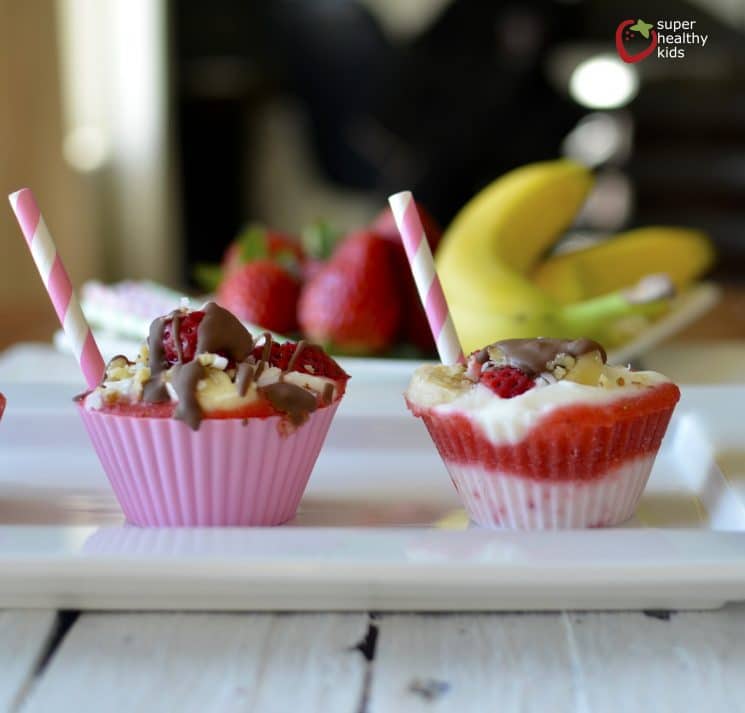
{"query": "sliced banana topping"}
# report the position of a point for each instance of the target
(495, 354)
(118, 369)
(439, 384)
(587, 369)
(216, 392)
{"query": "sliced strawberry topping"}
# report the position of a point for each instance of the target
(188, 325)
(276, 358)
(312, 360)
(507, 381)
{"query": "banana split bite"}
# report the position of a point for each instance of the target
(208, 426)
(543, 433)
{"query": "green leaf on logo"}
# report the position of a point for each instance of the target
(643, 28)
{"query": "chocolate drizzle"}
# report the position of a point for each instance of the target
(533, 355)
(293, 400)
(220, 332)
(291, 363)
(265, 354)
(176, 329)
(155, 390)
(185, 378)
(244, 377)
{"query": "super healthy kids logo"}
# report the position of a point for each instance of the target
(636, 39)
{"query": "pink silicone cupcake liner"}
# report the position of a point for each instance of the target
(497, 500)
(231, 472)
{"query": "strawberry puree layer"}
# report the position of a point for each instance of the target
(256, 409)
(495, 499)
(571, 443)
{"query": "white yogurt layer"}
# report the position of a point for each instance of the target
(508, 420)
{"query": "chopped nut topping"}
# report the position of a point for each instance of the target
(565, 360)
(214, 360)
(560, 365)
(559, 372)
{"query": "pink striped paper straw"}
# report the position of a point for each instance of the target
(57, 282)
(427, 283)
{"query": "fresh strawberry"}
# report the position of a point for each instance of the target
(507, 381)
(311, 360)
(258, 243)
(311, 267)
(352, 304)
(188, 325)
(231, 260)
(415, 328)
(262, 292)
(2, 405)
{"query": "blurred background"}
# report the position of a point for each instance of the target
(151, 131)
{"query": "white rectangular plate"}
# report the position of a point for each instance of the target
(380, 526)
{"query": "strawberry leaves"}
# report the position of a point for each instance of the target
(319, 240)
(253, 243)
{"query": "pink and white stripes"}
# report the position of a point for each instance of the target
(428, 284)
(58, 284)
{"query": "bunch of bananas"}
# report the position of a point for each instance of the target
(499, 283)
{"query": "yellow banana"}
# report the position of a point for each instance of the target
(487, 253)
(500, 233)
(620, 261)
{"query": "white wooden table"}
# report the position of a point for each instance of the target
(353, 663)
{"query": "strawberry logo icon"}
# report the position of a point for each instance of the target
(626, 31)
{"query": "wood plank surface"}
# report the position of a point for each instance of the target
(206, 662)
(691, 661)
(25, 636)
(472, 663)
(573, 662)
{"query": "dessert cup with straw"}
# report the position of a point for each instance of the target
(206, 426)
(535, 433)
